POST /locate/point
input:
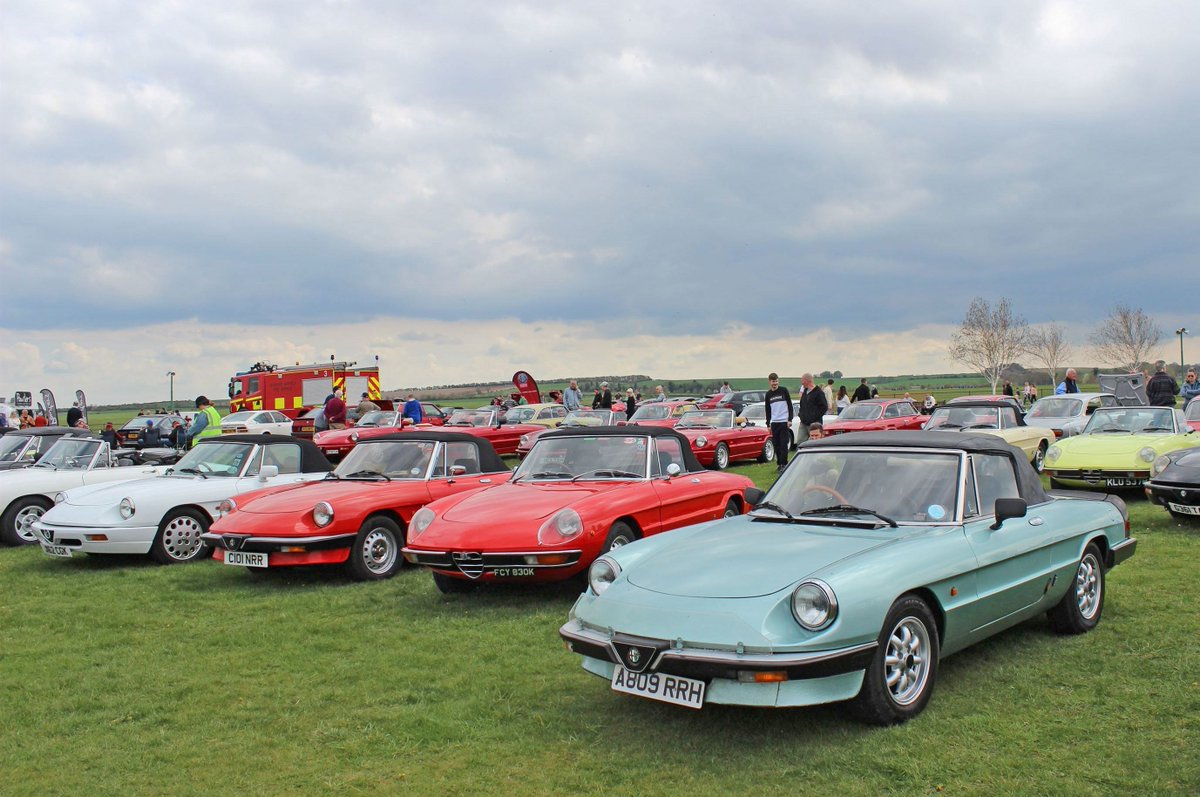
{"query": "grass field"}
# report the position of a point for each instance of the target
(121, 677)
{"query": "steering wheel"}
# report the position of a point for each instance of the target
(820, 488)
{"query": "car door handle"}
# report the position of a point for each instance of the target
(695, 481)
(1036, 521)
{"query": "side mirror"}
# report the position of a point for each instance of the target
(674, 470)
(1007, 508)
(458, 470)
(268, 472)
(754, 496)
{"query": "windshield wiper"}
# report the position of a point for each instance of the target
(331, 475)
(368, 474)
(980, 426)
(946, 426)
(774, 507)
(545, 474)
(201, 473)
(1158, 429)
(825, 510)
(614, 474)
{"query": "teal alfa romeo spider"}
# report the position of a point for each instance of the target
(872, 557)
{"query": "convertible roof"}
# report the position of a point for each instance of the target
(489, 460)
(632, 430)
(981, 405)
(312, 459)
(42, 431)
(1028, 481)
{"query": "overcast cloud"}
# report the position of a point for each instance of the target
(689, 189)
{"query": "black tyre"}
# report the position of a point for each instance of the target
(375, 554)
(732, 509)
(620, 534)
(1039, 457)
(16, 527)
(449, 585)
(1055, 484)
(768, 451)
(721, 457)
(898, 684)
(178, 538)
(1079, 610)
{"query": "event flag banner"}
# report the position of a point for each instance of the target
(82, 399)
(23, 400)
(525, 384)
(51, 407)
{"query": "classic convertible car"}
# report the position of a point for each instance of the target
(997, 419)
(718, 438)
(489, 423)
(579, 494)
(660, 413)
(20, 448)
(1118, 446)
(877, 415)
(74, 460)
(548, 415)
(357, 515)
(1175, 482)
(335, 443)
(165, 516)
(872, 557)
(1066, 415)
(574, 419)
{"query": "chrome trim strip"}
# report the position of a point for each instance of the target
(211, 537)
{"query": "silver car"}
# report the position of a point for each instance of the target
(1067, 414)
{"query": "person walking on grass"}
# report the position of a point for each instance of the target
(779, 418)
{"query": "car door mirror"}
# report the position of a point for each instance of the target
(754, 496)
(1007, 508)
(458, 470)
(673, 470)
(268, 472)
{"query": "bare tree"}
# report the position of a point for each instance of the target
(989, 340)
(1048, 345)
(1126, 337)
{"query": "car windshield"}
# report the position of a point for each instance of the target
(520, 414)
(902, 485)
(967, 418)
(1132, 420)
(11, 446)
(215, 459)
(861, 412)
(70, 453)
(754, 412)
(651, 412)
(377, 418)
(567, 458)
(470, 418)
(586, 418)
(706, 419)
(140, 422)
(239, 417)
(1192, 412)
(407, 459)
(1055, 407)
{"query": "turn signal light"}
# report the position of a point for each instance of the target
(766, 677)
(292, 549)
(97, 537)
(548, 559)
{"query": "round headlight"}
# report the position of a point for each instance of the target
(1053, 453)
(1158, 466)
(1147, 454)
(226, 506)
(814, 605)
(524, 441)
(701, 441)
(354, 437)
(60, 497)
(322, 513)
(562, 526)
(603, 572)
(420, 521)
(127, 508)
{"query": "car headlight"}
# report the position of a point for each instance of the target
(127, 508)
(60, 497)
(354, 437)
(701, 441)
(322, 513)
(603, 572)
(1053, 453)
(524, 441)
(562, 526)
(814, 605)
(420, 521)
(1157, 467)
(1147, 454)
(226, 506)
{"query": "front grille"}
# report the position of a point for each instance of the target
(470, 564)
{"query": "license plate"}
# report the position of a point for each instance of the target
(56, 550)
(307, 428)
(1125, 482)
(131, 435)
(245, 559)
(659, 686)
(1183, 509)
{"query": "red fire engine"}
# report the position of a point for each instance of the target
(292, 389)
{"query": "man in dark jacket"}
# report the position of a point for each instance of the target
(74, 415)
(1162, 387)
(812, 404)
(779, 418)
(862, 392)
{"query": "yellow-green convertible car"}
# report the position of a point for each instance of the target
(1118, 446)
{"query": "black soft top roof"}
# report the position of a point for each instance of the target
(691, 464)
(489, 460)
(43, 431)
(982, 405)
(1028, 481)
(312, 459)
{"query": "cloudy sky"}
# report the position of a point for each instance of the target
(680, 189)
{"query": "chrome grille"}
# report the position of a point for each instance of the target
(470, 564)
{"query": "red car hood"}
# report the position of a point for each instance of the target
(300, 498)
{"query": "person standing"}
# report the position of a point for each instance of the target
(630, 402)
(206, 423)
(365, 406)
(1068, 385)
(412, 411)
(779, 417)
(605, 397)
(812, 405)
(725, 388)
(1161, 388)
(572, 399)
(862, 392)
(659, 394)
(73, 415)
(40, 419)
(1190, 388)
(843, 399)
(335, 411)
(1008, 389)
(828, 388)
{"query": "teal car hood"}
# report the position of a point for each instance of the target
(742, 558)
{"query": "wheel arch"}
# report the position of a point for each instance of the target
(202, 510)
(630, 521)
(41, 497)
(390, 514)
(931, 600)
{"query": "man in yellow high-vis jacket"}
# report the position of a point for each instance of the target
(207, 422)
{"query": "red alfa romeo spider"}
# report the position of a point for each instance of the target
(718, 438)
(877, 415)
(579, 493)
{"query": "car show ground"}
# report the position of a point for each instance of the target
(125, 677)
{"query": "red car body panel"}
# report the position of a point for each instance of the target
(744, 442)
(883, 423)
(667, 422)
